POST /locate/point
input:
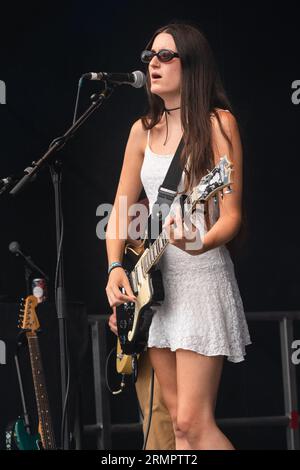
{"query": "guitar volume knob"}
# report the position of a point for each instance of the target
(123, 324)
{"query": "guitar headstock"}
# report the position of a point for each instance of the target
(217, 179)
(28, 319)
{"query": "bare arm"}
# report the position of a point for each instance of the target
(228, 224)
(128, 191)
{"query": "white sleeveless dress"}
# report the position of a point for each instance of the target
(202, 310)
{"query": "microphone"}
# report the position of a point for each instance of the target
(136, 79)
(4, 183)
(15, 248)
(7, 183)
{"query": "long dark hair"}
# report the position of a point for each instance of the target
(202, 92)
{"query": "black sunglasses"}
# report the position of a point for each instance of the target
(164, 55)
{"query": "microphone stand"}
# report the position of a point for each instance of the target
(26, 416)
(97, 100)
(29, 268)
(58, 143)
(30, 263)
(28, 273)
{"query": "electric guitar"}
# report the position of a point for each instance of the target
(45, 439)
(17, 437)
(124, 362)
(134, 318)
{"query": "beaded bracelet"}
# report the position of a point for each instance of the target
(115, 264)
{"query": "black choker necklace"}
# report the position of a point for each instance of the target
(167, 111)
(171, 109)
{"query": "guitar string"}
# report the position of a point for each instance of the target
(33, 356)
(165, 242)
(42, 403)
(50, 435)
(45, 401)
(40, 400)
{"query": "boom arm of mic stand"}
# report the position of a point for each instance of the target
(58, 143)
(35, 267)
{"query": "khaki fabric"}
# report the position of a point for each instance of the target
(161, 435)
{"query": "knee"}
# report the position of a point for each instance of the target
(182, 428)
(193, 429)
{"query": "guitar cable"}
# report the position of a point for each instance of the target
(122, 384)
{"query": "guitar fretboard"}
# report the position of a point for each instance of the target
(159, 245)
(47, 434)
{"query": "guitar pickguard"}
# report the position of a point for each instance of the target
(134, 319)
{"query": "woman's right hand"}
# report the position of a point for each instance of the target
(116, 280)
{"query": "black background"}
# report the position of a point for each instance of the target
(46, 48)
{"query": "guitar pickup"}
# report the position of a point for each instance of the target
(133, 282)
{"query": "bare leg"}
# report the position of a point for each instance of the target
(189, 384)
(164, 363)
(198, 379)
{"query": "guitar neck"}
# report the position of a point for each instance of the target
(155, 252)
(158, 247)
(45, 422)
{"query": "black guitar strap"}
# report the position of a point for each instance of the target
(166, 195)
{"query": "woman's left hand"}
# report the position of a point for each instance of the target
(185, 236)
